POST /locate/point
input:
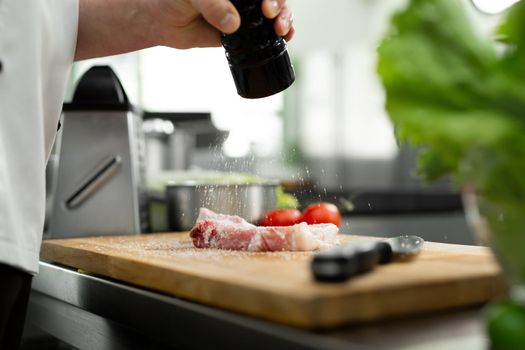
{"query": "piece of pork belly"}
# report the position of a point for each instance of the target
(213, 230)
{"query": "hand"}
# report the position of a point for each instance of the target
(119, 26)
(198, 23)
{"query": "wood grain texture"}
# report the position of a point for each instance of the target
(278, 286)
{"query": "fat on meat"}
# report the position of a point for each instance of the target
(213, 230)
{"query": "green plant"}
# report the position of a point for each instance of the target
(458, 95)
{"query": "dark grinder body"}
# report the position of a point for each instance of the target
(257, 56)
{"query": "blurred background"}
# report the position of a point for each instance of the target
(327, 137)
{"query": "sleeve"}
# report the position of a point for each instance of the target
(37, 47)
(60, 28)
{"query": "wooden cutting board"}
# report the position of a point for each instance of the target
(278, 286)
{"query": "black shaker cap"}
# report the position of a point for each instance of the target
(265, 79)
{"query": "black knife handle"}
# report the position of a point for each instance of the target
(385, 252)
(341, 263)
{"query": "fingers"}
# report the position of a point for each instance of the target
(222, 15)
(284, 22)
(290, 34)
(219, 13)
(271, 8)
(204, 36)
(279, 10)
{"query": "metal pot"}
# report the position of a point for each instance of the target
(249, 201)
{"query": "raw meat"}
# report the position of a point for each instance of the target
(222, 231)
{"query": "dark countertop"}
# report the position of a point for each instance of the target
(98, 313)
(384, 202)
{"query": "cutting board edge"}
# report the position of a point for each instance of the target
(295, 317)
(339, 311)
(304, 315)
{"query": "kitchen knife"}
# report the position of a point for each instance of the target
(356, 257)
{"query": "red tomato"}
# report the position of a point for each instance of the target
(321, 213)
(281, 217)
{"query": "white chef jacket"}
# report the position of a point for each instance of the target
(37, 45)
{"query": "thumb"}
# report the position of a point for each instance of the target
(219, 13)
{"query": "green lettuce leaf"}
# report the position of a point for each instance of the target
(458, 95)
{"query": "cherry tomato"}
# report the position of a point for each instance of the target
(321, 213)
(281, 217)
